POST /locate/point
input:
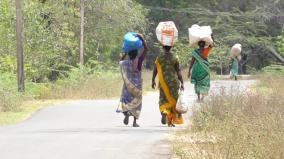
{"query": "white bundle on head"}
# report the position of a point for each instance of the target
(236, 50)
(199, 33)
(194, 35)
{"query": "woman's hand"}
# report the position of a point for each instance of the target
(140, 35)
(123, 57)
(153, 84)
(189, 74)
(144, 44)
(182, 87)
(142, 38)
(190, 67)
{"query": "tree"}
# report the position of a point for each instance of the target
(254, 24)
(54, 49)
(52, 31)
(20, 50)
(82, 17)
(106, 23)
(280, 43)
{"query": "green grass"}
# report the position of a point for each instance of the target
(103, 86)
(10, 98)
(24, 111)
(273, 70)
(238, 126)
(16, 107)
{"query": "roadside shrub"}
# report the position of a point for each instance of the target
(238, 125)
(10, 99)
(274, 70)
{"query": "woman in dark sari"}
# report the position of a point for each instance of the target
(170, 82)
(199, 71)
(131, 98)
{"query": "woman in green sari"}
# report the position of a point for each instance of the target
(170, 82)
(199, 71)
(234, 71)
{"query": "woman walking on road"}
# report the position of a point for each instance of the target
(170, 82)
(131, 98)
(236, 56)
(234, 67)
(199, 71)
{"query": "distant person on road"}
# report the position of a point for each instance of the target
(131, 98)
(170, 82)
(199, 72)
(236, 56)
(234, 67)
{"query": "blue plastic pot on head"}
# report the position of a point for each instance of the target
(131, 42)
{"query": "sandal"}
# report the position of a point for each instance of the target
(164, 118)
(126, 118)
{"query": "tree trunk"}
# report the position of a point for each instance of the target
(82, 12)
(20, 50)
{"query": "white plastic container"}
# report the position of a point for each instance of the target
(199, 33)
(236, 50)
(167, 33)
(182, 104)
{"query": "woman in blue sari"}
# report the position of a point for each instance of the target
(131, 98)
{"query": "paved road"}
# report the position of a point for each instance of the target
(92, 130)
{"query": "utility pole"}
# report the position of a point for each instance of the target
(82, 14)
(20, 50)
